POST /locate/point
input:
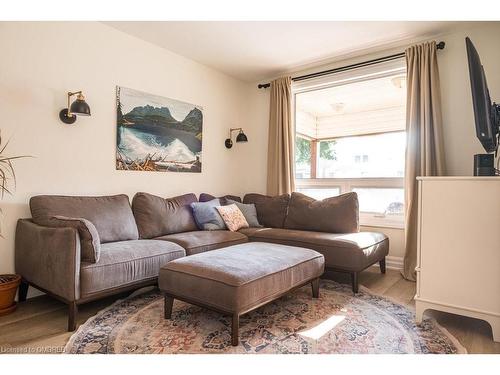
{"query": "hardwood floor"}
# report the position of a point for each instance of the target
(39, 324)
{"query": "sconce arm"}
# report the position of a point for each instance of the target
(70, 94)
(231, 130)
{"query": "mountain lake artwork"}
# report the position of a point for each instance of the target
(156, 133)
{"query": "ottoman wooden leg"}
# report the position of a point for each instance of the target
(315, 288)
(169, 303)
(235, 334)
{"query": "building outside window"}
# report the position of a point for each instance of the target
(350, 136)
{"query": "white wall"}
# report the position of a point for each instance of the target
(458, 118)
(458, 121)
(41, 61)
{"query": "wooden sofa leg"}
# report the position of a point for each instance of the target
(235, 330)
(72, 315)
(23, 290)
(315, 288)
(169, 303)
(354, 282)
(382, 265)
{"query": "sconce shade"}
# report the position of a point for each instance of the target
(241, 137)
(80, 107)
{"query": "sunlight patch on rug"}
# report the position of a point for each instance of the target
(323, 328)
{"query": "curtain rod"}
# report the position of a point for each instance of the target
(439, 45)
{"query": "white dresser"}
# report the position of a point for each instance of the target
(458, 260)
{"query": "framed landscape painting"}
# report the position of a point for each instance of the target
(155, 133)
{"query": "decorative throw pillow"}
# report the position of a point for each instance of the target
(206, 216)
(249, 211)
(233, 217)
(90, 244)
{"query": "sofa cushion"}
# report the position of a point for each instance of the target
(204, 197)
(126, 262)
(348, 252)
(271, 211)
(111, 215)
(157, 216)
(334, 215)
(206, 215)
(201, 241)
(241, 277)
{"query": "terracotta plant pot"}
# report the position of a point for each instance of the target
(8, 289)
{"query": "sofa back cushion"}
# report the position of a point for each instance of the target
(111, 215)
(271, 211)
(157, 216)
(334, 215)
(204, 197)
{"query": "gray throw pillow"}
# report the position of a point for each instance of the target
(206, 215)
(249, 211)
(90, 244)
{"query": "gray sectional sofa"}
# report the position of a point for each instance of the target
(80, 249)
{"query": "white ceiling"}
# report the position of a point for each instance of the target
(369, 95)
(252, 51)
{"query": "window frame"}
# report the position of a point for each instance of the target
(345, 185)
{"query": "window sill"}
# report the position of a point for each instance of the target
(381, 223)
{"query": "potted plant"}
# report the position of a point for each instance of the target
(8, 289)
(8, 283)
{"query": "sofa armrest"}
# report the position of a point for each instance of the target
(49, 258)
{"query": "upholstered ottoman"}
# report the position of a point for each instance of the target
(240, 278)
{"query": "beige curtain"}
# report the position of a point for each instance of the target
(424, 150)
(280, 159)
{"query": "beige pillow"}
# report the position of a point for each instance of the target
(233, 217)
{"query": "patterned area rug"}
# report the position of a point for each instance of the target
(337, 322)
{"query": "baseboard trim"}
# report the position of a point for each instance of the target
(393, 263)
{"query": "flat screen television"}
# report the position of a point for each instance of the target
(486, 114)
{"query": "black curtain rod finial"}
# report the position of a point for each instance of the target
(439, 45)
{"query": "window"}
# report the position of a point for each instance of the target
(350, 136)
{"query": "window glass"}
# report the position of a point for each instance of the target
(388, 201)
(302, 157)
(320, 193)
(378, 155)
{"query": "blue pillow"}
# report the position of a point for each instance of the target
(206, 216)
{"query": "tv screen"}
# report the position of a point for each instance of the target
(484, 113)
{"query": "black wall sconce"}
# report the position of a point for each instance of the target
(241, 137)
(78, 107)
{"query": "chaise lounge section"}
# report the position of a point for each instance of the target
(329, 226)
